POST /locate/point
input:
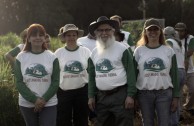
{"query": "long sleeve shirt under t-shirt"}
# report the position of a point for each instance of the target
(110, 69)
(73, 65)
(37, 75)
(156, 68)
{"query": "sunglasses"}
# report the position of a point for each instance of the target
(153, 29)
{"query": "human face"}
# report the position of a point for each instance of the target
(181, 33)
(71, 37)
(104, 32)
(153, 33)
(37, 40)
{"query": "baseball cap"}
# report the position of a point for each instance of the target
(180, 26)
(152, 22)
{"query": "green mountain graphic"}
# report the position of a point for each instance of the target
(36, 70)
(73, 67)
(154, 64)
(104, 66)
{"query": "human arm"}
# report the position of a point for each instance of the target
(54, 81)
(130, 40)
(10, 56)
(21, 86)
(91, 85)
(176, 90)
(127, 61)
(190, 48)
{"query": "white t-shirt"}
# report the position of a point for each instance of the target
(110, 72)
(154, 66)
(191, 64)
(36, 70)
(87, 42)
(180, 53)
(73, 65)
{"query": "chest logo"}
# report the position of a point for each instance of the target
(74, 67)
(154, 64)
(104, 66)
(36, 70)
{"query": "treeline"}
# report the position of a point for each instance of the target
(15, 15)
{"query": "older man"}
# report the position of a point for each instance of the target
(111, 76)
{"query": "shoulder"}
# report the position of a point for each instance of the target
(85, 49)
(22, 54)
(59, 50)
(167, 49)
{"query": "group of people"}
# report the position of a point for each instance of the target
(102, 76)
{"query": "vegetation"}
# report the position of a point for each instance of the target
(16, 15)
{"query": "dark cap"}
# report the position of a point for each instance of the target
(152, 22)
(180, 26)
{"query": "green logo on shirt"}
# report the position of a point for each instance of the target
(36, 70)
(73, 67)
(154, 64)
(104, 66)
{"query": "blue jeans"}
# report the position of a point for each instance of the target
(176, 115)
(46, 117)
(155, 101)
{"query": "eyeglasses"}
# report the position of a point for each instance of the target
(103, 30)
(153, 29)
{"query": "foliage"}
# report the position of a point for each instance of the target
(10, 39)
(135, 27)
(16, 15)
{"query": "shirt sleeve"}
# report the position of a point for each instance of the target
(54, 81)
(169, 43)
(14, 52)
(21, 86)
(127, 61)
(92, 89)
(174, 77)
(130, 40)
(191, 44)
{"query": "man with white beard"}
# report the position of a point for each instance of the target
(111, 77)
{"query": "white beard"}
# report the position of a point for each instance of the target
(103, 45)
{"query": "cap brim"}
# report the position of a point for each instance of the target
(180, 29)
(152, 26)
(94, 26)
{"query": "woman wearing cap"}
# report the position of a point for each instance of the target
(37, 79)
(72, 94)
(157, 80)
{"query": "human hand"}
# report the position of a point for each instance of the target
(39, 104)
(129, 102)
(91, 103)
(174, 104)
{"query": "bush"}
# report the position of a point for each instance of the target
(10, 39)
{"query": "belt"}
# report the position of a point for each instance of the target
(108, 92)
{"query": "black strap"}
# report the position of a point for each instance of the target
(185, 47)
